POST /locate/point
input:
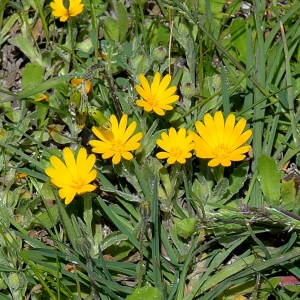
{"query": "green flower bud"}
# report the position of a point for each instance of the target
(217, 81)
(188, 89)
(14, 281)
(98, 116)
(75, 99)
(159, 53)
(80, 119)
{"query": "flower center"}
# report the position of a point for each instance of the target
(118, 146)
(77, 184)
(152, 100)
(176, 152)
(221, 151)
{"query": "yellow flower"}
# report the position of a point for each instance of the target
(116, 142)
(178, 146)
(74, 176)
(222, 142)
(59, 10)
(158, 96)
(78, 81)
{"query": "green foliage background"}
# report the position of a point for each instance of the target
(151, 231)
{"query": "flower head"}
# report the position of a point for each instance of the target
(222, 142)
(158, 96)
(117, 141)
(72, 177)
(76, 82)
(177, 146)
(64, 13)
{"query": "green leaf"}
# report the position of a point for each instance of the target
(145, 293)
(269, 178)
(236, 181)
(25, 46)
(288, 194)
(219, 191)
(186, 227)
(48, 218)
(111, 29)
(238, 37)
(200, 189)
(122, 20)
(32, 75)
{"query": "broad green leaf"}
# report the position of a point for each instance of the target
(32, 75)
(219, 191)
(269, 178)
(288, 194)
(238, 37)
(44, 86)
(236, 181)
(186, 227)
(26, 47)
(180, 244)
(48, 218)
(111, 29)
(145, 293)
(10, 21)
(122, 20)
(200, 189)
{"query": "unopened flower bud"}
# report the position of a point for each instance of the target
(188, 89)
(159, 53)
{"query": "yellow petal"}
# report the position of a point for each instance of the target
(142, 92)
(129, 131)
(211, 129)
(155, 84)
(122, 127)
(171, 160)
(116, 158)
(81, 160)
(242, 139)
(205, 134)
(89, 164)
(145, 84)
(107, 154)
(133, 143)
(70, 162)
(164, 84)
(167, 93)
(237, 131)
(127, 155)
(219, 123)
(225, 162)
(68, 193)
(162, 155)
(158, 111)
(214, 162)
(90, 177)
(228, 129)
(114, 126)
